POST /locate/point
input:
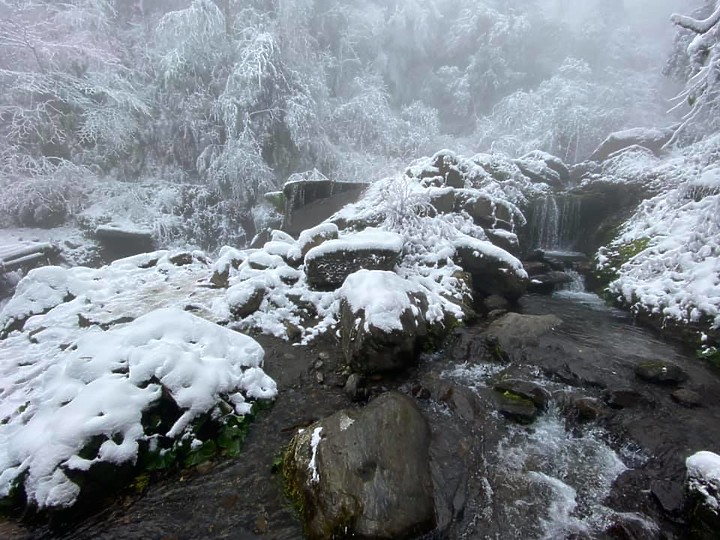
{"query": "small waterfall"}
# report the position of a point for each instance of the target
(555, 222)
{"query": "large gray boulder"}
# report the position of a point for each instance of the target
(328, 264)
(364, 472)
(514, 331)
(382, 321)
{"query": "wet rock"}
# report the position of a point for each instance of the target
(495, 302)
(623, 398)
(686, 397)
(461, 400)
(587, 409)
(549, 282)
(526, 390)
(632, 526)
(660, 372)
(670, 496)
(355, 387)
(535, 268)
(515, 407)
(364, 472)
(515, 330)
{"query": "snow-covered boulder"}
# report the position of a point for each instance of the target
(364, 472)
(382, 320)
(544, 168)
(493, 270)
(442, 170)
(652, 139)
(228, 258)
(504, 239)
(703, 485)
(311, 238)
(104, 400)
(487, 211)
(245, 298)
(328, 264)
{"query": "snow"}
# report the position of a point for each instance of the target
(485, 249)
(703, 476)
(95, 348)
(55, 399)
(312, 465)
(370, 239)
(382, 296)
(676, 275)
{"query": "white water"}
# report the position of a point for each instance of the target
(549, 483)
(554, 222)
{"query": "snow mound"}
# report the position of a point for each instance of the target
(370, 239)
(703, 477)
(88, 351)
(383, 296)
(54, 404)
(393, 214)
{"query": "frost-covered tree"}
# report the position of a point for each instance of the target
(701, 38)
(569, 114)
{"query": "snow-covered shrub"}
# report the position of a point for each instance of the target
(667, 256)
(41, 201)
(107, 368)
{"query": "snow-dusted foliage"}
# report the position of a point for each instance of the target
(87, 356)
(702, 90)
(569, 114)
(669, 251)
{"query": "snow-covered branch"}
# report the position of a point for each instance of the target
(694, 25)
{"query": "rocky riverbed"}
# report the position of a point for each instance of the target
(557, 425)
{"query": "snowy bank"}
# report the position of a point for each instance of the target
(91, 355)
(666, 259)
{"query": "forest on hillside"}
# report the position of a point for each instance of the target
(189, 111)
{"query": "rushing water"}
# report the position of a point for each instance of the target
(545, 481)
(554, 222)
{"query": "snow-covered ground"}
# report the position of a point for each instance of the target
(97, 348)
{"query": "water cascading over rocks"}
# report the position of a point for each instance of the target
(554, 222)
